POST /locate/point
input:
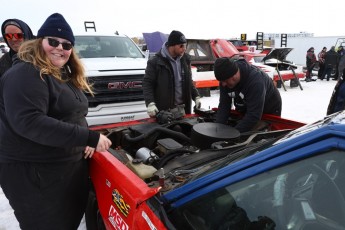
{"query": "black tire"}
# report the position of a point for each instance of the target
(93, 217)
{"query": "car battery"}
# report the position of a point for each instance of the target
(166, 145)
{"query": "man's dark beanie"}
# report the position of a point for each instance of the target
(224, 68)
(175, 38)
(56, 26)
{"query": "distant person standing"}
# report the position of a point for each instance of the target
(331, 62)
(337, 101)
(168, 80)
(14, 32)
(341, 62)
(310, 61)
(321, 57)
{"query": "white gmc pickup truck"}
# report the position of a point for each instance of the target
(115, 66)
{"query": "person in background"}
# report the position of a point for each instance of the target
(321, 57)
(341, 51)
(44, 138)
(251, 89)
(310, 61)
(341, 63)
(14, 32)
(337, 101)
(331, 62)
(168, 80)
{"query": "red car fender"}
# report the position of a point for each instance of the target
(121, 195)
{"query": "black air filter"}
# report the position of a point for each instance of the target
(204, 134)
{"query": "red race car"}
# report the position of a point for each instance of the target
(154, 168)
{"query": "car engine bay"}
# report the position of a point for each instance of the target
(170, 154)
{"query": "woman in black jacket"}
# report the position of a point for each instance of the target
(44, 138)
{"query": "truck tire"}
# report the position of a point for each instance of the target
(93, 217)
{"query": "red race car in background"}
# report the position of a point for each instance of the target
(271, 60)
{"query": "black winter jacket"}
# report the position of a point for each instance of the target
(42, 120)
(159, 86)
(254, 95)
(331, 59)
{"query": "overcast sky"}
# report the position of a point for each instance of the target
(195, 18)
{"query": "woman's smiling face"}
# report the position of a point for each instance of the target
(57, 55)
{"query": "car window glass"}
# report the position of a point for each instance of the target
(106, 46)
(308, 194)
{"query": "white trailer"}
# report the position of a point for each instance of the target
(300, 46)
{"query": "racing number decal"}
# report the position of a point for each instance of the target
(120, 203)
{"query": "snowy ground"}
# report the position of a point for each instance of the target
(307, 105)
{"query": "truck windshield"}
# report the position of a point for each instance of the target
(106, 46)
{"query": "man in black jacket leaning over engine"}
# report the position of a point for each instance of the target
(252, 89)
(168, 78)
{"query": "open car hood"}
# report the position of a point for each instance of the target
(200, 51)
(278, 53)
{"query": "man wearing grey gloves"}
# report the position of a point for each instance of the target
(168, 80)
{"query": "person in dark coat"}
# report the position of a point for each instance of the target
(310, 61)
(14, 32)
(321, 57)
(337, 101)
(341, 62)
(168, 79)
(331, 61)
(44, 137)
(251, 89)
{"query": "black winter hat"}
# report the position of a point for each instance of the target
(225, 68)
(175, 38)
(56, 26)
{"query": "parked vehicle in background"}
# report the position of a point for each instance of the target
(115, 66)
(271, 60)
(203, 54)
(3, 48)
(283, 176)
(275, 64)
(239, 44)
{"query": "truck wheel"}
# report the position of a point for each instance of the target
(93, 217)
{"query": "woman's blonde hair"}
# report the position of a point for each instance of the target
(32, 51)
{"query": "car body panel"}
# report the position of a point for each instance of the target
(126, 192)
(97, 66)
